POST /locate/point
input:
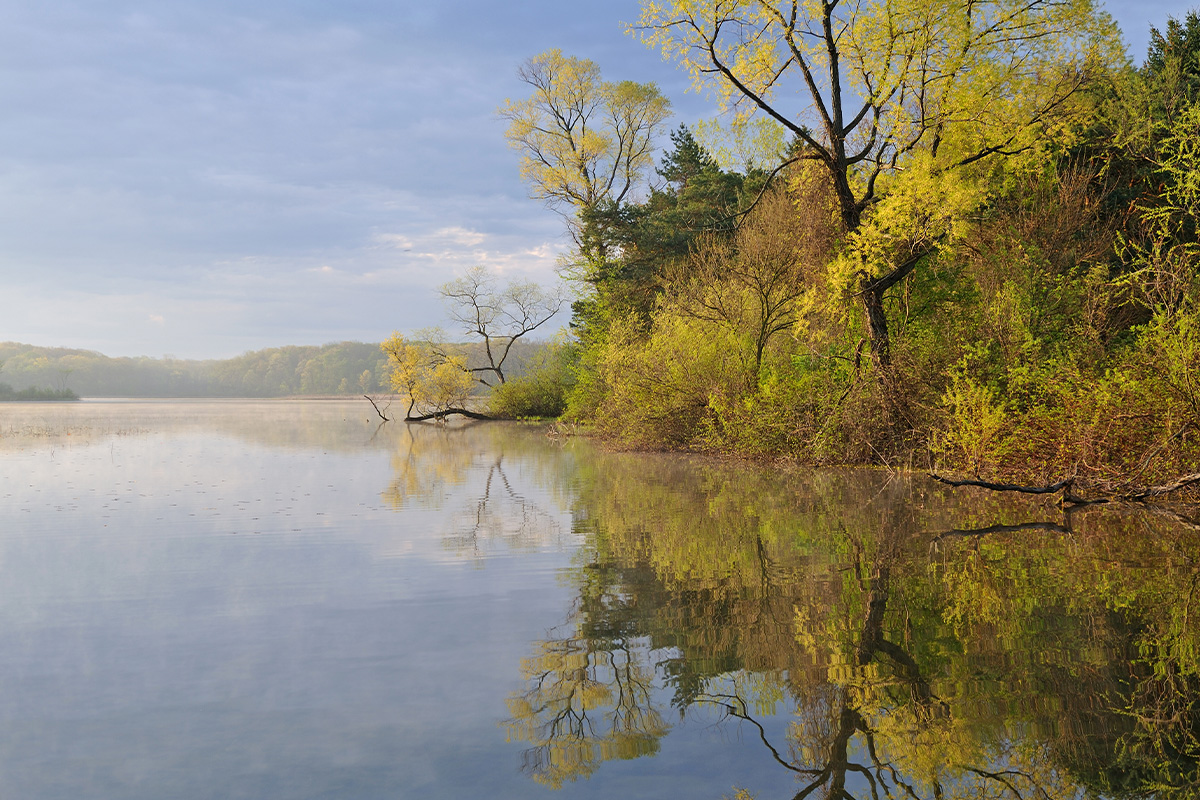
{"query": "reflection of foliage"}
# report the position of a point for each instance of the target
(1109, 613)
(586, 705)
(589, 695)
(426, 462)
(1022, 660)
(499, 475)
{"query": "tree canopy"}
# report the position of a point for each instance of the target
(583, 140)
(888, 88)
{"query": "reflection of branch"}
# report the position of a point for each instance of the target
(1069, 512)
(1001, 777)
(1174, 516)
(375, 433)
(1053, 527)
(921, 691)
(869, 735)
(739, 711)
(587, 702)
(528, 516)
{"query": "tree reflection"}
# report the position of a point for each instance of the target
(590, 692)
(484, 477)
(1005, 658)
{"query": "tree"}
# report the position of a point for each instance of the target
(635, 244)
(499, 316)
(435, 385)
(583, 140)
(876, 88)
(1173, 63)
(757, 283)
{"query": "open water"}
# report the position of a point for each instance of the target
(288, 599)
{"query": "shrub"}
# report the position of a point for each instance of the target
(539, 393)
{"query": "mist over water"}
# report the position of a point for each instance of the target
(289, 599)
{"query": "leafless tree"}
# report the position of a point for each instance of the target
(498, 315)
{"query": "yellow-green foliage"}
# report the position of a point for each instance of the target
(975, 427)
(541, 391)
(1164, 253)
(432, 383)
(1171, 348)
(659, 389)
(582, 139)
(1134, 420)
(1002, 279)
(791, 412)
(922, 205)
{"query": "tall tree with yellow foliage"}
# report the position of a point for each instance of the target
(583, 140)
(882, 92)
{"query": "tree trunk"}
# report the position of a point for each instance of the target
(877, 327)
(872, 290)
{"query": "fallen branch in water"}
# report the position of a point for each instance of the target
(1008, 487)
(441, 415)
(375, 405)
(1065, 486)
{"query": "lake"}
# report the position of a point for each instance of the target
(288, 599)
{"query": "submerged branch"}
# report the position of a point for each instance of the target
(1007, 487)
(375, 405)
(441, 415)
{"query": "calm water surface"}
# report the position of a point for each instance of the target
(285, 599)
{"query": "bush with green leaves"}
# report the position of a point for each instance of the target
(541, 392)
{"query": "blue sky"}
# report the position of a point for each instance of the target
(201, 178)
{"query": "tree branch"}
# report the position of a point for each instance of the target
(1008, 487)
(441, 415)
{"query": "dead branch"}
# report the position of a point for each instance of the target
(441, 415)
(375, 405)
(1008, 487)
(1146, 461)
(1166, 488)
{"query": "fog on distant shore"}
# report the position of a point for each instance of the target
(341, 368)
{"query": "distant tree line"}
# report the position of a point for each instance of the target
(342, 368)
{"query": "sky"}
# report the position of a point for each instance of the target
(200, 178)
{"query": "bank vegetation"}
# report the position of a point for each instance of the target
(964, 239)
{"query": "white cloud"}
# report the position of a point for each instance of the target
(460, 236)
(393, 240)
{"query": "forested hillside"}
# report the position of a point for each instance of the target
(341, 368)
(346, 368)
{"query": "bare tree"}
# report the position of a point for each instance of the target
(498, 315)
